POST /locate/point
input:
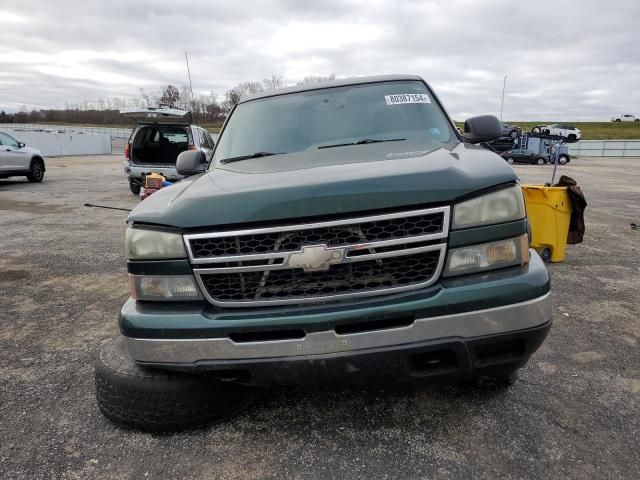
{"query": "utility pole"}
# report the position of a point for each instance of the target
(504, 84)
(193, 104)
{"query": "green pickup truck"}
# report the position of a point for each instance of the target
(342, 232)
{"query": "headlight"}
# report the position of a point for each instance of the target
(504, 205)
(167, 287)
(488, 256)
(153, 244)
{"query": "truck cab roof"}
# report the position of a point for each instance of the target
(342, 82)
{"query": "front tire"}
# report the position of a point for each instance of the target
(152, 400)
(572, 138)
(513, 134)
(541, 161)
(36, 174)
(510, 161)
(562, 160)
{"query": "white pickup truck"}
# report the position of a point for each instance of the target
(625, 117)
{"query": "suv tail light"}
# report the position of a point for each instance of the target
(127, 151)
(192, 147)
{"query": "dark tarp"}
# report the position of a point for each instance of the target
(578, 204)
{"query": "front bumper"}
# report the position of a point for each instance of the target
(446, 359)
(457, 311)
(471, 324)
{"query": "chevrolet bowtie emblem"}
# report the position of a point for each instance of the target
(316, 258)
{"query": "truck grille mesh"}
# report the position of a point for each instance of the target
(339, 279)
(331, 236)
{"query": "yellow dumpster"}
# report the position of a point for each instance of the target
(549, 213)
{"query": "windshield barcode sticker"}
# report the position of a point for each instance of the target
(406, 98)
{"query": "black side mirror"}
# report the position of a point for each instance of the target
(21, 144)
(191, 162)
(483, 128)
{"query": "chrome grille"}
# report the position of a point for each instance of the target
(334, 235)
(359, 256)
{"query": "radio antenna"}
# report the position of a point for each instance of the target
(193, 103)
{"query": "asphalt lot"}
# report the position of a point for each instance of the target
(574, 413)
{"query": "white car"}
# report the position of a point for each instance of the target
(626, 117)
(569, 132)
(16, 159)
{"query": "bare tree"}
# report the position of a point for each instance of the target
(273, 83)
(249, 88)
(239, 92)
(154, 98)
(144, 96)
(116, 103)
(133, 102)
(208, 108)
(170, 95)
(316, 79)
(231, 98)
(185, 98)
(214, 112)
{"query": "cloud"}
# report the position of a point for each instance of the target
(578, 62)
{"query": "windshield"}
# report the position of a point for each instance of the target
(341, 117)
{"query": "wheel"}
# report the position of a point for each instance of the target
(618, 120)
(535, 130)
(510, 160)
(562, 160)
(547, 132)
(513, 134)
(545, 255)
(637, 120)
(37, 171)
(152, 400)
(572, 137)
(541, 161)
(135, 187)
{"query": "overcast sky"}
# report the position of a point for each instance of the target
(565, 60)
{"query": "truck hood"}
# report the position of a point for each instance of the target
(326, 182)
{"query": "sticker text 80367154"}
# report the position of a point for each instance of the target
(406, 98)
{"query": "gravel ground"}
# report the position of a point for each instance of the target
(574, 413)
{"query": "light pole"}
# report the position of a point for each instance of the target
(504, 84)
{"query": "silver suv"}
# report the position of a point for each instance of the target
(16, 159)
(159, 136)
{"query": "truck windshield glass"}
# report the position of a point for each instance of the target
(334, 118)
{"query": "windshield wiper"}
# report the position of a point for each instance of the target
(246, 157)
(364, 141)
